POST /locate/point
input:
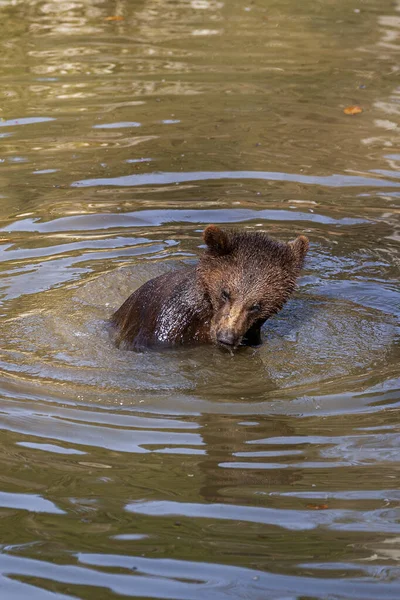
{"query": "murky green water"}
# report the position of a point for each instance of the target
(191, 474)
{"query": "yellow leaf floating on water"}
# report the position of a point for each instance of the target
(114, 18)
(352, 110)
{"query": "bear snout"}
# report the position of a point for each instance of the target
(228, 338)
(230, 325)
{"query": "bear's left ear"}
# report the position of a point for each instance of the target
(299, 247)
(217, 240)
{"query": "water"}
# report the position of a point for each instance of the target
(191, 474)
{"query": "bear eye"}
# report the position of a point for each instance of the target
(225, 295)
(255, 307)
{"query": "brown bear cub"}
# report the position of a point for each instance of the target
(242, 279)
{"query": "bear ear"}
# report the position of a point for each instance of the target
(217, 240)
(299, 247)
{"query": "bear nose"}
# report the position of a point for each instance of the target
(226, 338)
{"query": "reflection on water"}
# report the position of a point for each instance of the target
(189, 473)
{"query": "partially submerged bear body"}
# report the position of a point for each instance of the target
(241, 280)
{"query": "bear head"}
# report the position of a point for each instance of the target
(248, 277)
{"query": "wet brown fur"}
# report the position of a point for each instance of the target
(241, 280)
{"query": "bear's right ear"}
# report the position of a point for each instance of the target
(217, 240)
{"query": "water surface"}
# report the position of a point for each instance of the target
(125, 128)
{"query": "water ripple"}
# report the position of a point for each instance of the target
(153, 218)
(168, 178)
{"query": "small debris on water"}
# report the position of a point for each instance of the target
(352, 110)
